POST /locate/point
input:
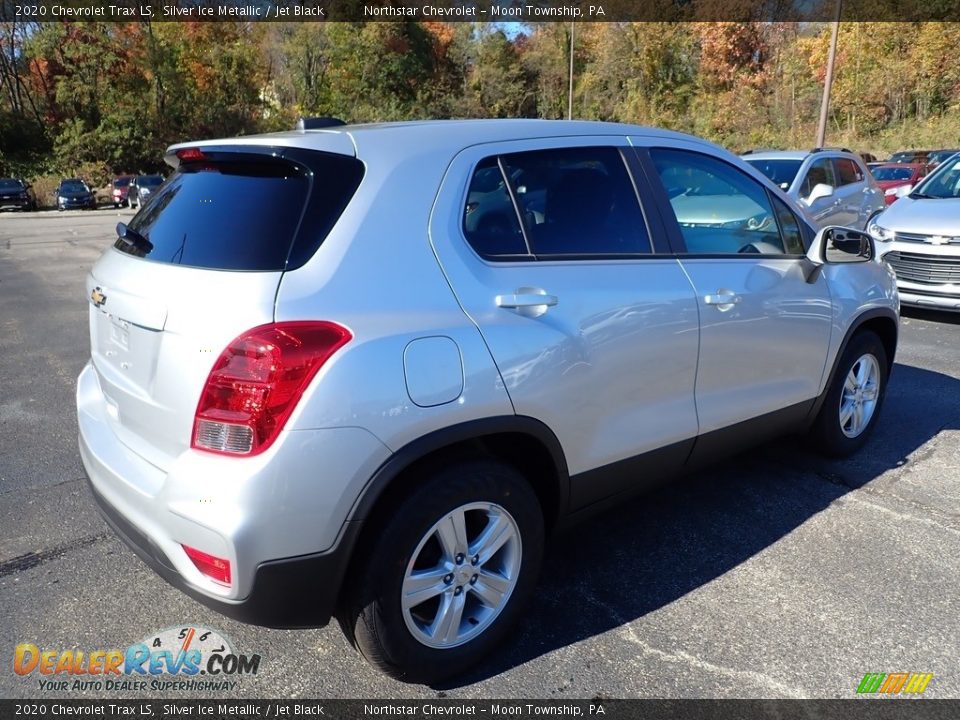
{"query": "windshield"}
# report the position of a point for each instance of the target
(905, 157)
(940, 156)
(10, 185)
(73, 186)
(782, 172)
(944, 182)
(892, 173)
(150, 181)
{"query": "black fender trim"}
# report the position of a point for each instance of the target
(851, 331)
(463, 432)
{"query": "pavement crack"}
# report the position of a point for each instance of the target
(41, 488)
(33, 559)
(681, 656)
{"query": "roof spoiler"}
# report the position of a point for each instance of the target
(317, 123)
(837, 149)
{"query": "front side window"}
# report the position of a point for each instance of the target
(720, 210)
(847, 171)
(820, 172)
(577, 201)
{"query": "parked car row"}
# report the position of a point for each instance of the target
(76, 193)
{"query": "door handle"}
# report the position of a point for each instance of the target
(723, 299)
(527, 301)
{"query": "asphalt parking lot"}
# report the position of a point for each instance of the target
(776, 574)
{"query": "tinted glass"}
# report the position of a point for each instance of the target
(782, 172)
(489, 219)
(73, 186)
(944, 182)
(578, 201)
(150, 181)
(789, 228)
(121, 182)
(243, 214)
(847, 171)
(893, 173)
(10, 185)
(821, 171)
(720, 210)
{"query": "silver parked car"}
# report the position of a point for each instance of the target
(319, 386)
(919, 237)
(832, 185)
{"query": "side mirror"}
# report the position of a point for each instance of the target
(903, 191)
(820, 190)
(835, 246)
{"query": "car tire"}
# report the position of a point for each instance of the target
(393, 632)
(853, 401)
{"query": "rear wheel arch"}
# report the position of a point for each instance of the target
(524, 443)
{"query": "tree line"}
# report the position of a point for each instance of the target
(95, 98)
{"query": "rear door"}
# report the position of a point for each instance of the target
(592, 326)
(199, 264)
(764, 329)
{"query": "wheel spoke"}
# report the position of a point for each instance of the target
(446, 625)
(863, 371)
(497, 532)
(857, 424)
(420, 586)
(491, 588)
(850, 384)
(845, 414)
(870, 392)
(452, 534)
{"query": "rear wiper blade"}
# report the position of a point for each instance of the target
(133, 238)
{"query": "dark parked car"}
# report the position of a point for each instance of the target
(910, 156)
(891, 177)
(119, 188)
(938, 156)
(16, 195)
(141, 187)
(75, 193)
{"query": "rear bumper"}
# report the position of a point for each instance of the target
(280, 518)
(296, 592)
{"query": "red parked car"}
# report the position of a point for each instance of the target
(892, 176)
(120, 186)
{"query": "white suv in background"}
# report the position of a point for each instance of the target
(366, 371)
(831, 184)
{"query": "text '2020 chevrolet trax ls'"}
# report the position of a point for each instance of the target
(365, 371)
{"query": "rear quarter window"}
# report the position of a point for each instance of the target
(244, 212)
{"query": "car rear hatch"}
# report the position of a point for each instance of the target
(198, 265)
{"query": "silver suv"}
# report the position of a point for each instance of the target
(322, 385)
(832, 185)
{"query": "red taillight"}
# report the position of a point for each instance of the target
(217, 569)
(190, 154)
(257, 381)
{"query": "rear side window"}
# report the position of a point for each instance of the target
(847, 171)
(577, 201)
(244, 212)
(490, 219)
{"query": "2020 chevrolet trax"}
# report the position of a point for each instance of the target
(366, 371)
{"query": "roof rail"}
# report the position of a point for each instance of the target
(315, 123)
(757, 150)
(839, 149)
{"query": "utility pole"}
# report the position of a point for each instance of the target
(828, 81)
(570, 90)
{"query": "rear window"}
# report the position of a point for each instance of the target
(244, 212)
(121, 182)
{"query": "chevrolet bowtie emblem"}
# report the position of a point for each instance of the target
(98, 297)
(939, 240)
